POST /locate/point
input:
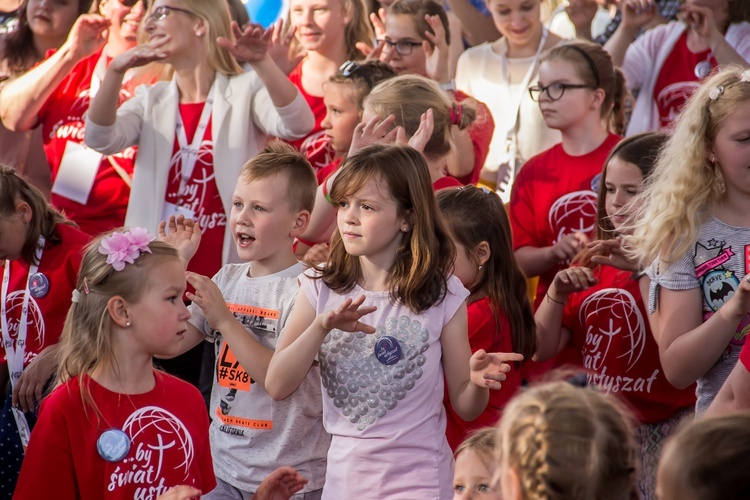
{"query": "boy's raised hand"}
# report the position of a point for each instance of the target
(346, 317)
(183, 234)
(488, 369)
(208, 297)
(281, 484)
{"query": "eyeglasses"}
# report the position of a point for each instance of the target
(163, 11)
(403, 47)
(350, 68)
(131, 3)
(555, 90)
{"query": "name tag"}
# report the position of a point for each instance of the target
(172, 209)
(77, 172)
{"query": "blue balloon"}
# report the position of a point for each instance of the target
(263, 12)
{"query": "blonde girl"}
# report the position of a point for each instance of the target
(498, 74)
(500, 316)
(116, 426)
(325, 33)
(474, 473)
(695, 229)
(386, 320)
(557, 441)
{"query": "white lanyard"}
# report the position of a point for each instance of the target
(15, 353)
(189, 153)
(524, 83)
(98, 75)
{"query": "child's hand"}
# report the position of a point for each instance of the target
(183, 492)
(208, 297)
(421, 136)
(569, 246)
(279, 47)
(316, 254)
(184, 234)
(571, 280)
(739, 305)
(436, 50)
(612, 253)
(29, 389)
(281, 484)
(637, 13)
(702, 21)
(346, 317)
(250, 44)
(488, 369)
(374, 131)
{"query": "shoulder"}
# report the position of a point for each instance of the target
(176, 387)
(456, 288)
(72, 237)
(63, 398)
(477, 53)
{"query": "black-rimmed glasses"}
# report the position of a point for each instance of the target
(131, 3)
(403, 47)
(555, 90)
(163, 11)
(350, 68)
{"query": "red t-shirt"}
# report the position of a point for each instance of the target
(200, 195)
(46, 313)
(745, 356)
(325, 172)
(555, 195)
(484, 333)
(62, 120)
(609, 328)
(481, 135)
(168, 431)
(446, 182)
(316, 146)
(678, 80)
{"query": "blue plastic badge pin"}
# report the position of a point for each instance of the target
(38, 285)
(388, 350)
(113, 445)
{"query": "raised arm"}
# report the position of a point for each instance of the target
(635, 15)
(688, 346)
(22, 98)
(482, 27)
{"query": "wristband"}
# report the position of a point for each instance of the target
(549, 298)
(325, 192)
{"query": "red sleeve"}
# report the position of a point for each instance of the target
(745, 356)
(48, 456)
(522, 210)
(206, 466)
(480, 133)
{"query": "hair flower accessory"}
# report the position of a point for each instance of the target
(745, 76)
(715, 92)
(121, 248)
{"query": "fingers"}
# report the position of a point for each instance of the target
(162, 230)
(369, 52)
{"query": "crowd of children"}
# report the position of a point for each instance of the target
(351, 212)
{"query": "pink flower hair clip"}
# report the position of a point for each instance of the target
(745, 76)
(121, 248)
(715, 92)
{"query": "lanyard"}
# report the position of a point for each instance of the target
(15, 353)
(524, 83)
(100, 69)
(189, 153)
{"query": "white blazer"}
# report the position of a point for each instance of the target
(242, 119)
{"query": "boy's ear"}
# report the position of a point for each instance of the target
(482, 252)
(300, 223)
(118, 311)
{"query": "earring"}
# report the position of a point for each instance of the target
(199, 34)
(480, 267)
(127, 325)
(404, 229)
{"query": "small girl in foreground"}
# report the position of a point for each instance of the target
(116, 427)
(474, 474)
(383, 375)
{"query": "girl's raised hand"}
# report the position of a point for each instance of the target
(281, 484)
(701, 20)
(346, 317)
(488, 369)
(571, 280)
(88, 34)
(612, 253)
(637, 13)
(250, 44)
(183, 492)
(436, 51)
(184, 234)
(422, 135)
(279, 47)
(208, 297)
(140, 55)
(374, 131)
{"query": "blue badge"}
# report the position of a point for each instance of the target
(113, 445)
(388, 350)
(596, 182)
(38, 285)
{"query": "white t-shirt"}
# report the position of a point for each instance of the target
(251, 434)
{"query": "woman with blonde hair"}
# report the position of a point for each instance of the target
(195, 132)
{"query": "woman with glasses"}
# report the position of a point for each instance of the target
(91, 189)
(499, 74)
(553, 201)
(667, 63)
(326, 33)
(196, 131)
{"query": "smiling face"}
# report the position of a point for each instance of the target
(124, 24)
(401, 28)
(159, 318)
(262, 222)
(320, 23)
(370, 223)
(622, 184)
(342, 115)
(518, 21)
(183, 30)
(51, 18)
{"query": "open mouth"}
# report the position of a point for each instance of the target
(244, 240)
